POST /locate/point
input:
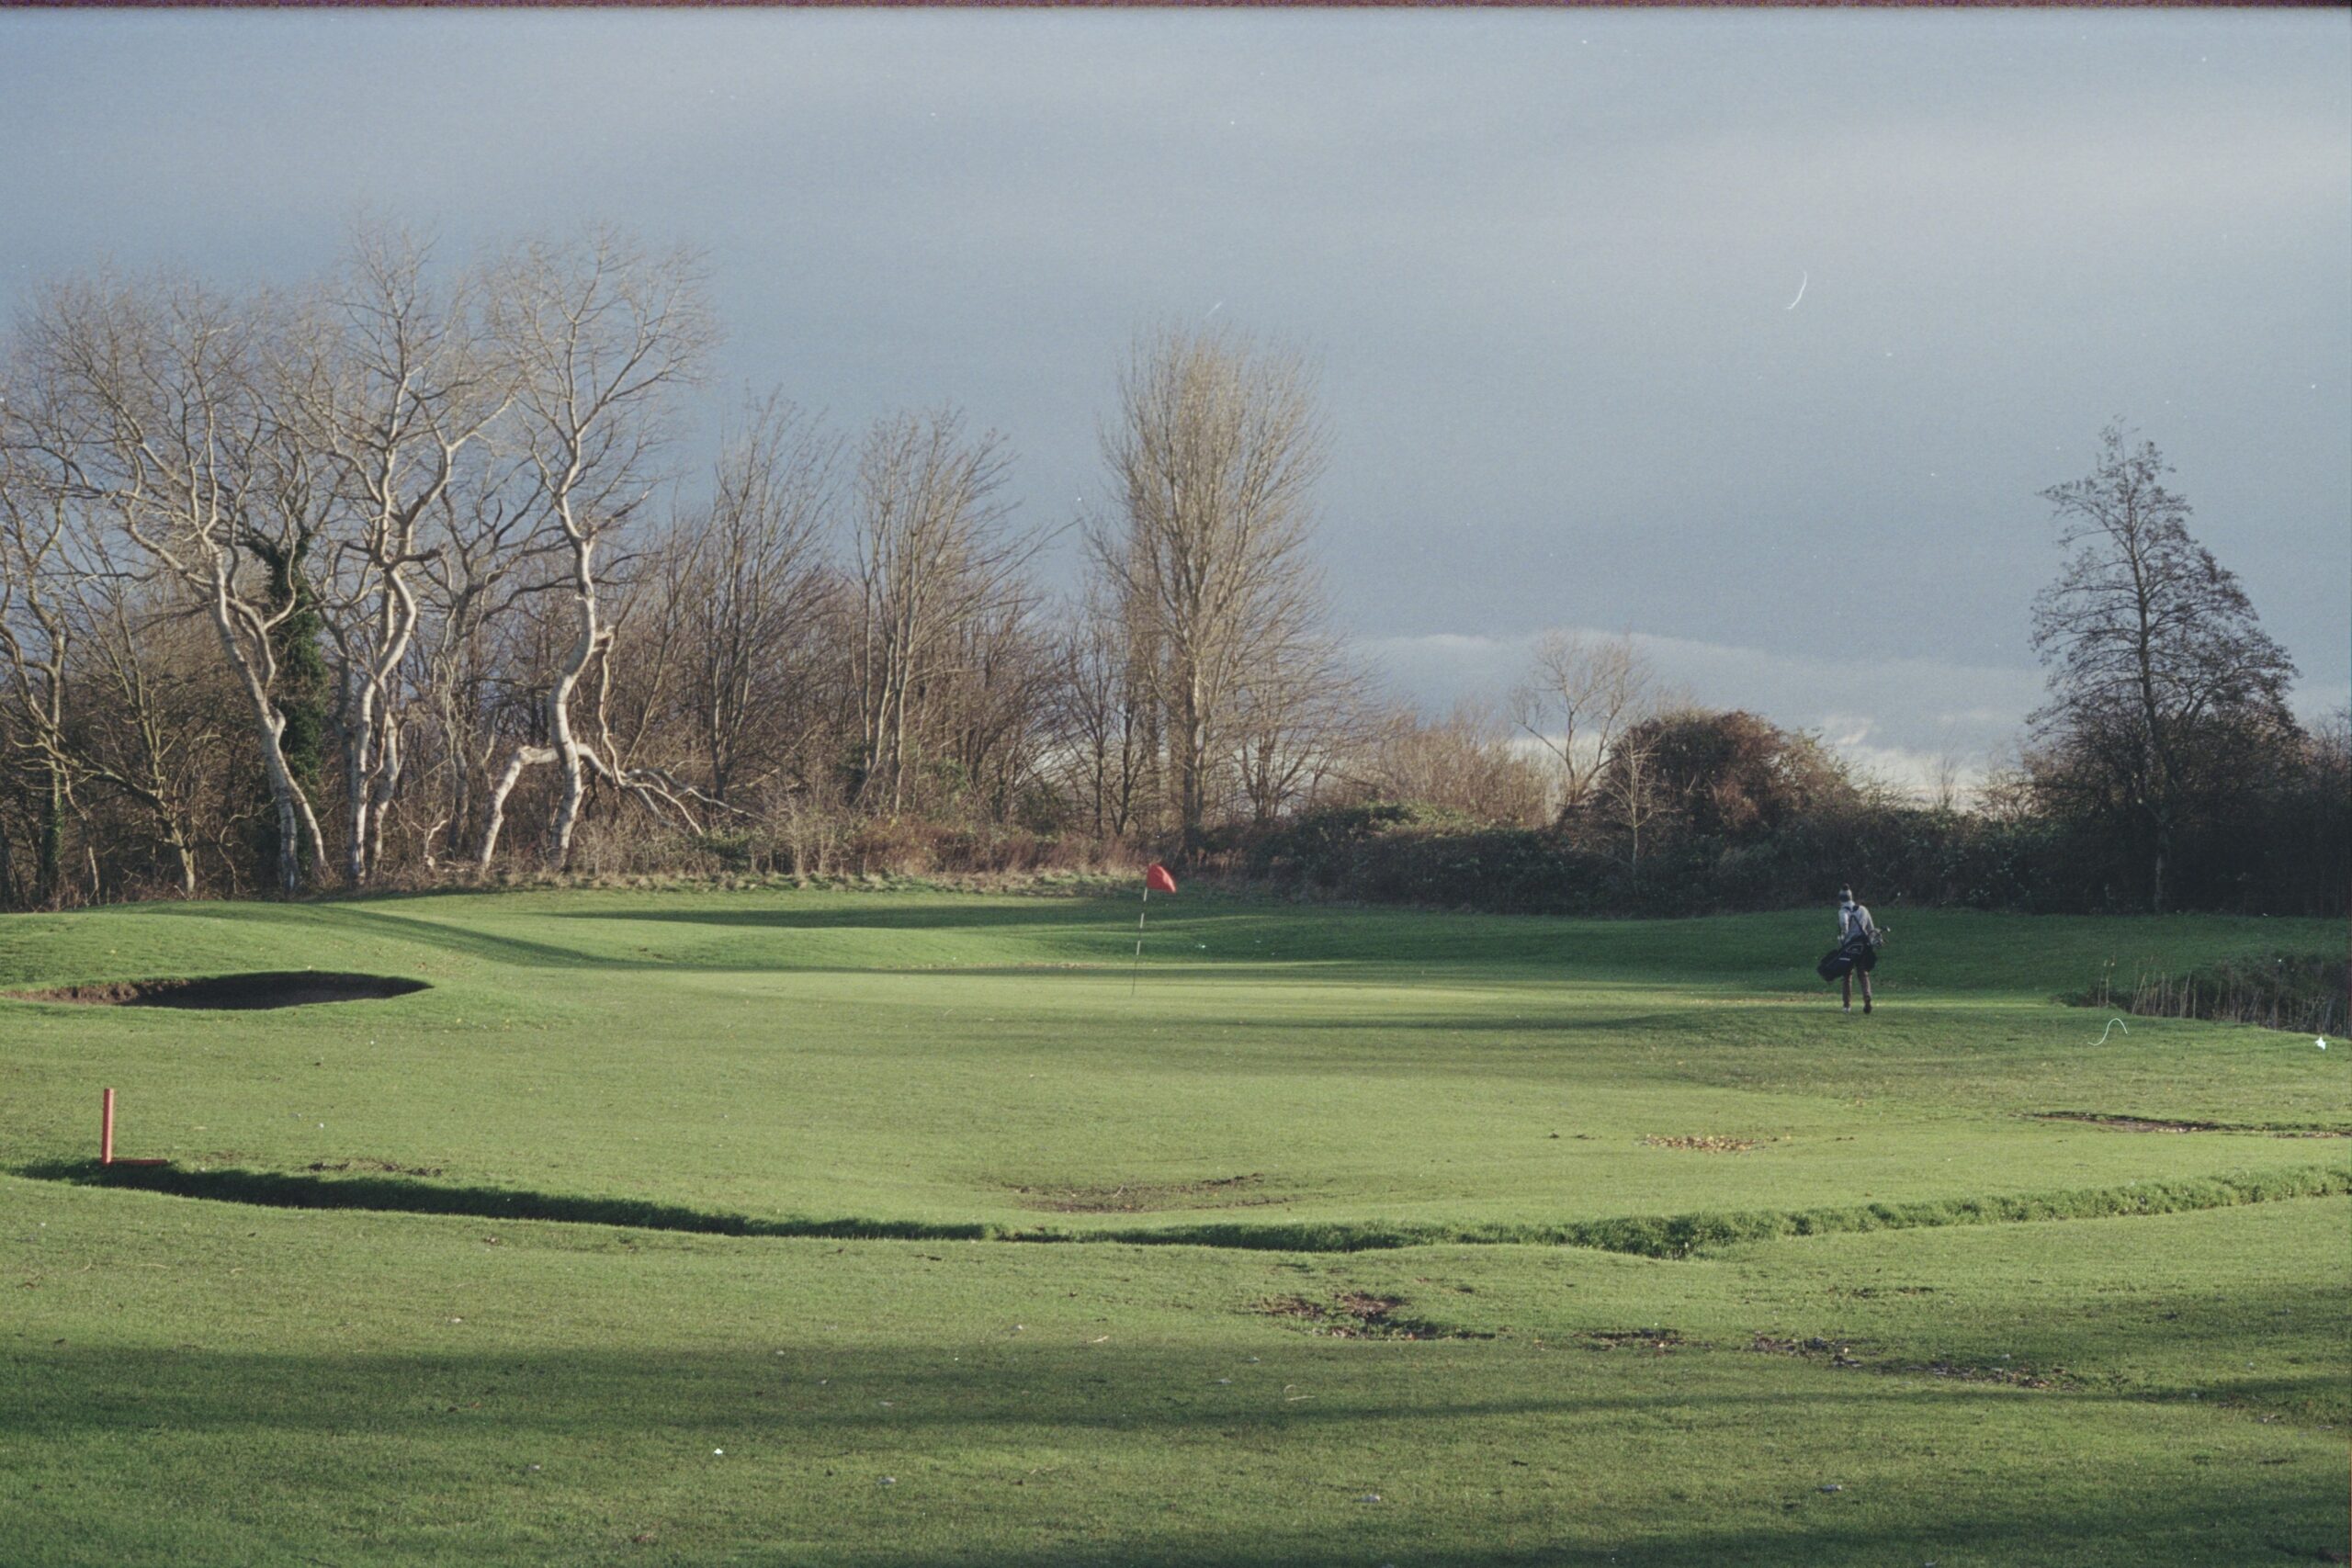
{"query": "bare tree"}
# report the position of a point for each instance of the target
(487, 558)
(2158, 666)
(593, 337)
(1945, 793)
(1297, 714)
(1213, 456)
(1107, 697)
(748, 575)
(163, 408)
(151, 733)
(39, 580)
(1634, 799)
(993, 708)
(392, 386)
(1579, 693)
(1462, 761)
(930, 552)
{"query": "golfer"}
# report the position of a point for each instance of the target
(1856, 948)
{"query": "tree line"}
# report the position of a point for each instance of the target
(390, 577)
(2166, 769)
(413, 573)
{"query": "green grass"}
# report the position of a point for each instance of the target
(791, 1137)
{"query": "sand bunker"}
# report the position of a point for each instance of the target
(288, 988)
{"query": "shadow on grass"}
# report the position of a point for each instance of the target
(1166, 1467)
(1662, 1237)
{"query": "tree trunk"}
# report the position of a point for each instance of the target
(567, 678)
(494, 810)
(49, 871)
(298, 828)
(358, 761)
(1192, 759)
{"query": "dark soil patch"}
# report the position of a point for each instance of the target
(1704, 1144)
(1836, 1353)
(2012, 1376)
(1145, 1197)
(2133, 1123)
(231, 993)
(383, 1167)
(1358, 1315)
(2144, 1125)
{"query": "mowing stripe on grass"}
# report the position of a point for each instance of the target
(1668, 1236)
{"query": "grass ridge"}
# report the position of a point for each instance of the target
(1663, 1236)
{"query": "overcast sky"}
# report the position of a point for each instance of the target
(1545, 263)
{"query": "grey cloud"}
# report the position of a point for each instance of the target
(1542, 258)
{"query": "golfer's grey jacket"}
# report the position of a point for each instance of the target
(1852, 917)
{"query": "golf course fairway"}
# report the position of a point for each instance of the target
(786, 1227)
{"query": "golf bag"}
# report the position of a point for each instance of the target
(1855, 953)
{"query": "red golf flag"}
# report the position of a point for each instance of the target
(1156, 878)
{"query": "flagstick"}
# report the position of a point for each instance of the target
(1138, 968)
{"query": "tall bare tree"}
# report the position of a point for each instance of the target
(392, 386)
(592, 338)
(1213, 457)
(2160, 673)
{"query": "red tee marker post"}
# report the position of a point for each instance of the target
(1155, 875)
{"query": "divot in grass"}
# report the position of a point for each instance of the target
(1359, 1315)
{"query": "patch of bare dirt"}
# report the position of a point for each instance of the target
(1838, 1353)
(230, 993)
(1704, 1144)
(1358, 1315)
(384, 1168)
(2014, 1377)
(1834, 1352)
(1146, 1197)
